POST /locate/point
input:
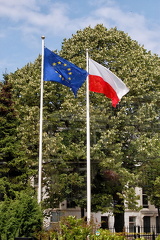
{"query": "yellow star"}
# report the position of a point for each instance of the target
(54, 64)
(69, 69)
(65, 64)
(70, 73)
(69, 78)
(59, 62)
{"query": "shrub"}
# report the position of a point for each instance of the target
(21, 217)
(72, 228)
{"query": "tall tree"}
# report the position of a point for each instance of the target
(116, 134)
(135, 120)
(13, 171)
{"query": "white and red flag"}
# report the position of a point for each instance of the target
(102, 80)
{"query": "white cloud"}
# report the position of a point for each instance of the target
(27, 15)
(35, 17)
(17, 10)
(136, 25)
(23, 22)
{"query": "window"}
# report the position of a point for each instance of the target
(132, 223)
(56, 216)
(144, 199)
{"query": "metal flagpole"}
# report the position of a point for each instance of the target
(88, 147)
(41, 127)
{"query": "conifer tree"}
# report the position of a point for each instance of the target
(13, 171)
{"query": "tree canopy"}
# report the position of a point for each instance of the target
(123, 140)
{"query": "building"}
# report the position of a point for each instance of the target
(139, 221)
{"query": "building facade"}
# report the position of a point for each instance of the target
(140, 221)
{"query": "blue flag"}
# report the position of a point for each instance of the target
(60, 70)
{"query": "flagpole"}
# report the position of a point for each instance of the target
(41, 127)
(88, 147)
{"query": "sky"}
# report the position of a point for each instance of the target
(23, 22)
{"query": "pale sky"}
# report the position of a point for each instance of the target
(23, 22)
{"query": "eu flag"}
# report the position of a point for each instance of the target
(60, 70)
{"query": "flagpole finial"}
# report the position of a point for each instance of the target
(43, 37)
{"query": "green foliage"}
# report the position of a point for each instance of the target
(107, 235)
(150, 172)
(124, 141)
(158, 238)
(21, 217)
(71, 228)
(13, 168)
